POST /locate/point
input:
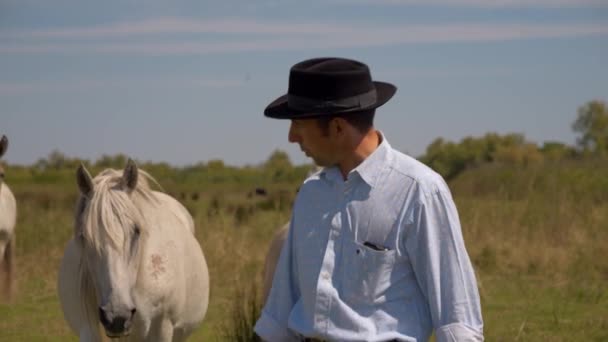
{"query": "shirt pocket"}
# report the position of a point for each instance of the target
(369, 274)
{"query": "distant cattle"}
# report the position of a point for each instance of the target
(194, 196)
(261, 192)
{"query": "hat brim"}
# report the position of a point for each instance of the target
(279, 109)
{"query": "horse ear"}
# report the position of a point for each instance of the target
(129, 175)
(3, 145)
(84, 180)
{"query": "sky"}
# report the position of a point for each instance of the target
(185, 82)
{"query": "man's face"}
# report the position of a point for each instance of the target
(308, 134)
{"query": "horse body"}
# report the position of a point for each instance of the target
(272, 258)
(8, 218)
(141, 272)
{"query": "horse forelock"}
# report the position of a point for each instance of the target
(105, 217)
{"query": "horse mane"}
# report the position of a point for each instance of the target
(110, 207)
(97, 218)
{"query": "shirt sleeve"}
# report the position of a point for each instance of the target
(273, 323)
(434, 243)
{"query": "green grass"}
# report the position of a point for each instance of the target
(537, 237)
(529, 308)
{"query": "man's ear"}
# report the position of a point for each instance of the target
(338, 126)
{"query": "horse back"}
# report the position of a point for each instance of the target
(174, 206)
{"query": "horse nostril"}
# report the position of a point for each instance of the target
(103, 318)
(133, 311)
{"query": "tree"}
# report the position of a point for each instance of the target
(592, 124)
(278, 164)
(554, 150)
(117, 161)
(450, 159)
(278, 160)
(56, 160)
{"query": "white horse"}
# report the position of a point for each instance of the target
(8, 216)
(274, 251)
(133, 269)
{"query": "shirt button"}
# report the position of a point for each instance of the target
(325, 275)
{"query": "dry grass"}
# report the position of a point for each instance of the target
(538, 243)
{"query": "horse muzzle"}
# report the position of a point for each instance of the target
(116, 325)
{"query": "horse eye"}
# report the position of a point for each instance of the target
(136, 230)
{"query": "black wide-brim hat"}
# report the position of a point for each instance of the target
(329, 86)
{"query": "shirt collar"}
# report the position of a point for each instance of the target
(370, 169)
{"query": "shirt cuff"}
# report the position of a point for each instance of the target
(270, 330)
(458, 332)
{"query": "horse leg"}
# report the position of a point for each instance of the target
(162, 332)
(6, 271)
(10, 259)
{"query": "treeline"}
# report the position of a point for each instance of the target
(591, 124)
(446, 157)
(450, 159)
(59, 168)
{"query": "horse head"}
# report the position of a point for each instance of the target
(3, 148)
(4, 234)
(110, 230)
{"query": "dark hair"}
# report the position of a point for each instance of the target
(362, 120)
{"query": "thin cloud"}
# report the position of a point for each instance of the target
(179, 26)
(482, 3)
(281, 36)
(11, 89)
(29, 88)
(445, 72)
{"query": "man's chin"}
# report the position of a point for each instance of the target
(321, 163)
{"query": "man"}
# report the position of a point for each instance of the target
(374, 250)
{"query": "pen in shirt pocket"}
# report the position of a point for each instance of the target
(375, 246)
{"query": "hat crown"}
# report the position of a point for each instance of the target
(329, 86)
(329, 78)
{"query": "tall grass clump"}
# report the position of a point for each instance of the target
(246, 308)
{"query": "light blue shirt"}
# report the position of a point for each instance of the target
(416, 278)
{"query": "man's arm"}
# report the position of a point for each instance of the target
(443, 269)
(272, 324)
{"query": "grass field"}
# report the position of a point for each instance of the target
(537, 237)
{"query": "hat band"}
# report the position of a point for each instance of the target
(302, 103)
